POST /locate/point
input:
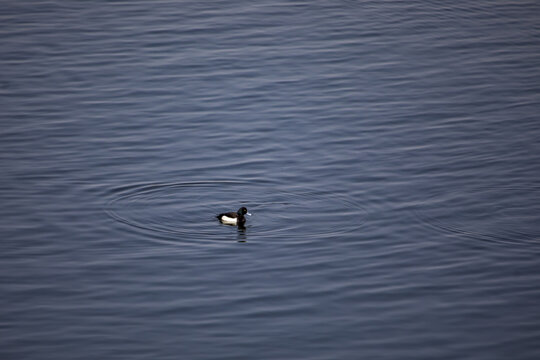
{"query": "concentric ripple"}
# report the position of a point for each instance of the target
(500, 215)
(185, 211)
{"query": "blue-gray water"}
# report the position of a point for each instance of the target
(388, 150)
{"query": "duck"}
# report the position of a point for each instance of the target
(234, 218)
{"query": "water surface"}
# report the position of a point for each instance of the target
(388, 152)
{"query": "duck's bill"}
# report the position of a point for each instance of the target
(248, 214)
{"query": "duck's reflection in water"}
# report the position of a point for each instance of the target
(242, 236)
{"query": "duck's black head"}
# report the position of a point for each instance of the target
(242, 211)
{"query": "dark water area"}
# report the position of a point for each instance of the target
(387, 150)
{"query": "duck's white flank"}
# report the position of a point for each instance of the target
(228, 220)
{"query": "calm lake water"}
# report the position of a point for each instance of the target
(388, 150)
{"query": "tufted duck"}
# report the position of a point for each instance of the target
(234, 218)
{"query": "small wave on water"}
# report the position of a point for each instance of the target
(497, 215)
(186, 211)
